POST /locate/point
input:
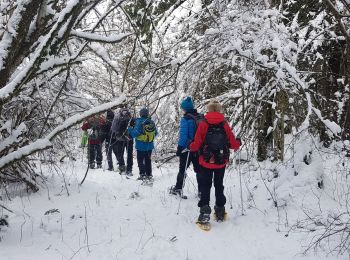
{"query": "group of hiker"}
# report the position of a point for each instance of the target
(117, 132)
(204, 141)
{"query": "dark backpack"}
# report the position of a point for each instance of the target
(197, 118)
(215, 148)
(124, 118)
(96, 125)
(106, 128)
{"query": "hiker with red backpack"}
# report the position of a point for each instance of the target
(213, 139)
(93, 126)
(188, 126)
(122, 141)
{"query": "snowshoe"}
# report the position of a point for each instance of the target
(147, 181)
(141, 178)
(204, 218)
(177, 192)
(220, 214)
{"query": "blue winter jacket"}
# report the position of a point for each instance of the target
(136, 131)
(187, 130)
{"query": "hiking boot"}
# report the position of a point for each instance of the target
(122, 168)
(204, 214)
(92, 166)
(129, 173)
(175, 191)
(147, 180)
(110, 169)
(219, 213)
(141, 178)
(99, 166)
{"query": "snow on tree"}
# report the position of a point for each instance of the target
(42, 45)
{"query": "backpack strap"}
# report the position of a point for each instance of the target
(189, 116)
(222, 123)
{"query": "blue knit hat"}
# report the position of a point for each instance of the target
(144, 112)
(187, 104)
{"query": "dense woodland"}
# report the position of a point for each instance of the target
(280, 68)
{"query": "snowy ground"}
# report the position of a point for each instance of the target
(103, 219)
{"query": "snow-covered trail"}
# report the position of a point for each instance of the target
(103, 219)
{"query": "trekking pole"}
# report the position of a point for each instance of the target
(165, 160)
(240, 180)
(183, 182)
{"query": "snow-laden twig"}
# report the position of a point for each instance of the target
(9, 210)
(86, 231)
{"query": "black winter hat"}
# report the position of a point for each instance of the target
(144, 112)
(110, 114)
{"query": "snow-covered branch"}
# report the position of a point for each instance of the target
(15, 84)
(94, 37)
(13, 138)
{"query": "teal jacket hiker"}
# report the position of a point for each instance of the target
(143, 141)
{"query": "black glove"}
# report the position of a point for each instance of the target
(238, 138)
(179, 150)
(132, 122)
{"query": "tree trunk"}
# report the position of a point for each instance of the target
(345, 119)
(278, 133)
(264, 139)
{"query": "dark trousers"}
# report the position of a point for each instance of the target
(194, 159)
(206, 182)
(121, 146)
(144, 162)
(95, 154)
(111, 148)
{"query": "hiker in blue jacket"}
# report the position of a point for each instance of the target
(187, 131)
(144, 130)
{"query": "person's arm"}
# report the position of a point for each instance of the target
(135, 131)
(199, 137)
(234, 144)
(183, 131)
